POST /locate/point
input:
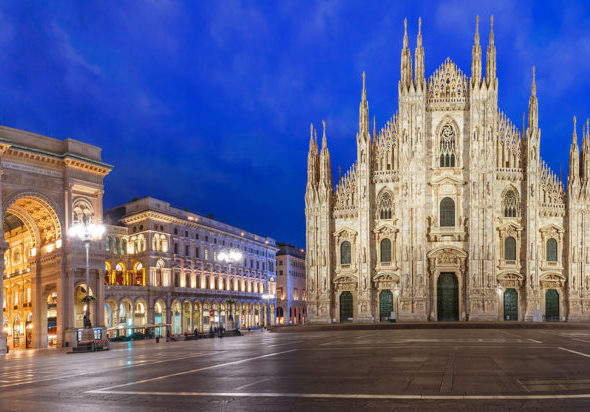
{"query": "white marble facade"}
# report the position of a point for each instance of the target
(449, 185)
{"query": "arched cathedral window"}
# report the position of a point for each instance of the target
(447, 212)
(551, 250)
(509, 248)
(447, 146)
(345, 253)
(385, 248)
(385, 206)
(510, 204)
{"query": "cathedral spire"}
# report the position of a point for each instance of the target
(406, 60)
(364, 111)
(312, 159)
(476, 57)
(419, 63)
(491, 56)
(533, 106)
(312, 144)
(585, 157)
(574, 167)
(325, 164)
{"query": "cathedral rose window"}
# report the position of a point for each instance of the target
(385, 206)
(510, 204)
(447, 146)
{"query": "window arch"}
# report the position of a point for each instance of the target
(385, 206)
(447, 146)
(345, 253)
(447, 212)
(551, 250)
(509, 248)
(108, 244)
(385, 249)
(510, 204)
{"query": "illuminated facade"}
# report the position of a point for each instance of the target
(291, 293)
(47, 185)
(449, 212)
(167, 266)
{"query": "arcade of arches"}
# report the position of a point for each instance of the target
(127, 316)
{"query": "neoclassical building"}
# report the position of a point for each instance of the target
(47, 185)
(291, 293)
(168, 267)
(449, 212)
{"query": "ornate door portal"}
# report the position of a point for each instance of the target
(551, 306)
(510, 304)
(346, 307)
(447, 297)
(385, 305)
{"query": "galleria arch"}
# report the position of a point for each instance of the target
(47, 185)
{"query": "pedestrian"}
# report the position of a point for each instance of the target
(196, 332)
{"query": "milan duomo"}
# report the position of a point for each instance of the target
(449, 212)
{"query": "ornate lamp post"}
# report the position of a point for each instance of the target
(86, 232)
(230, 256)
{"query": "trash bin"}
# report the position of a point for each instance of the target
(157, 339)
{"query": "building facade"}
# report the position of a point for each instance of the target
(47, 185)
(449, 212)
(175, 269)
(291, 293)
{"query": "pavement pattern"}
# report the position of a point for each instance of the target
(340, 370)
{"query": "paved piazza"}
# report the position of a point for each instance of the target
(466, 369)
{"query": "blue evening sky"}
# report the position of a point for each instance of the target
(207, 104)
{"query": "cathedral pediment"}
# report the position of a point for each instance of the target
(386, 229)
(446, 179)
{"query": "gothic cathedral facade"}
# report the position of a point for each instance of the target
(449, 212)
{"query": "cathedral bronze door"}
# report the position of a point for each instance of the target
(551, 306)
(346, 307)
(510, 304)
(385, 305)
(447, 297)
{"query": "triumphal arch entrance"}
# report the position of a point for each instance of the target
(47, 185)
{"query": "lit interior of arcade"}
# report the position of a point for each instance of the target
(32, 231)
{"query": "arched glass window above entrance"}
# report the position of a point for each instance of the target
(385, 250)
(447, 212)
(552, 250)
(509, 248)
(345, 253)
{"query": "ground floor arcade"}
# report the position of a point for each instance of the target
(125, 316)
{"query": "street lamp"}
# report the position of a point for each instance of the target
(86, 232)
(230, 256)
